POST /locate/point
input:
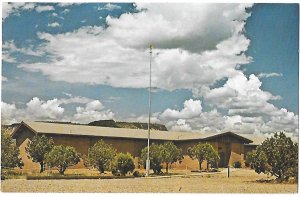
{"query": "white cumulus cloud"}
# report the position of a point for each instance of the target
(55, 24)
(67, 4)
(242, 96)
(9, 8)
(191, 109)
(91, 112)
(37, 109)
(44, 8)
(188, 53)
(267, 75)
(44, 109)
(181, 125)
(109, 7)
(9, 47)
(262, 122)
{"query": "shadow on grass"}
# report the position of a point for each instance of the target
(56, 176)
(273, 181)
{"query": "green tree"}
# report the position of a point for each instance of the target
(62, 157)
(203, 152)
(197, 152)
(170, 154)
(250, 159)
(155, 157)
(9, 152)
(259, 162)
(37, 148)
(212, 156)
(277, 156)
(123, 163)
(100, 156)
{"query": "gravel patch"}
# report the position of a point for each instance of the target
(241, 181)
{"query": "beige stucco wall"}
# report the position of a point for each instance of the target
(236, 154)
(28, 163)
(22, 138)
(233, 151)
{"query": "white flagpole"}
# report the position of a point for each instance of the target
(149, 110)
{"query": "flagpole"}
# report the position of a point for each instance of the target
(149, 110)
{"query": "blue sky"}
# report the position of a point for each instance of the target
(273, 30)
(216, 67)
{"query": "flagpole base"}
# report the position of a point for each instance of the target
(147, 167)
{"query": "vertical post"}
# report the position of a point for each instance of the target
(149, 110)
(186, 168)
(228, 172)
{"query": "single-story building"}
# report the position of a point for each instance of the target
(230, 146)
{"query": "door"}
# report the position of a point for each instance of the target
(222, 162)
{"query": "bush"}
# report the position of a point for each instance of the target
(9, 152)
(123, 163)
(203, 152)
(116, 172)
(277, 156)
(237, 164)
(57, 176)
(155, 158)
(250, 158)
(62, 157)
(137, 174)
(214, 170)
(67, 177)
(171, 154)
(100, 156)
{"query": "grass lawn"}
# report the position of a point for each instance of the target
(241, 181)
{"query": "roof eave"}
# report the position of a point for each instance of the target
(246, 140)
(23, 124)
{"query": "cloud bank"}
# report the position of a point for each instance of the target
(37, 109)
(190, 52)
(9, 8)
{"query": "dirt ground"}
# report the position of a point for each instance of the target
(240, 181)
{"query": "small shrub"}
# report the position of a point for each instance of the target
(123, 163)
(100, 156)
(170, 154)
(62, 157)
(237, 164)
(11, 174)
(214, 170)
(156, 158)
(250, 157)
(137, 174)
(203, 152)
(115, 172)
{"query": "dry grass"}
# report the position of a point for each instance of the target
(241, 181)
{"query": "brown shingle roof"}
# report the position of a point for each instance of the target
(84, 130)
(68, 129)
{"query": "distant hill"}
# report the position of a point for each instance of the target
(59, 122)
(129, 125)
(103, 123)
